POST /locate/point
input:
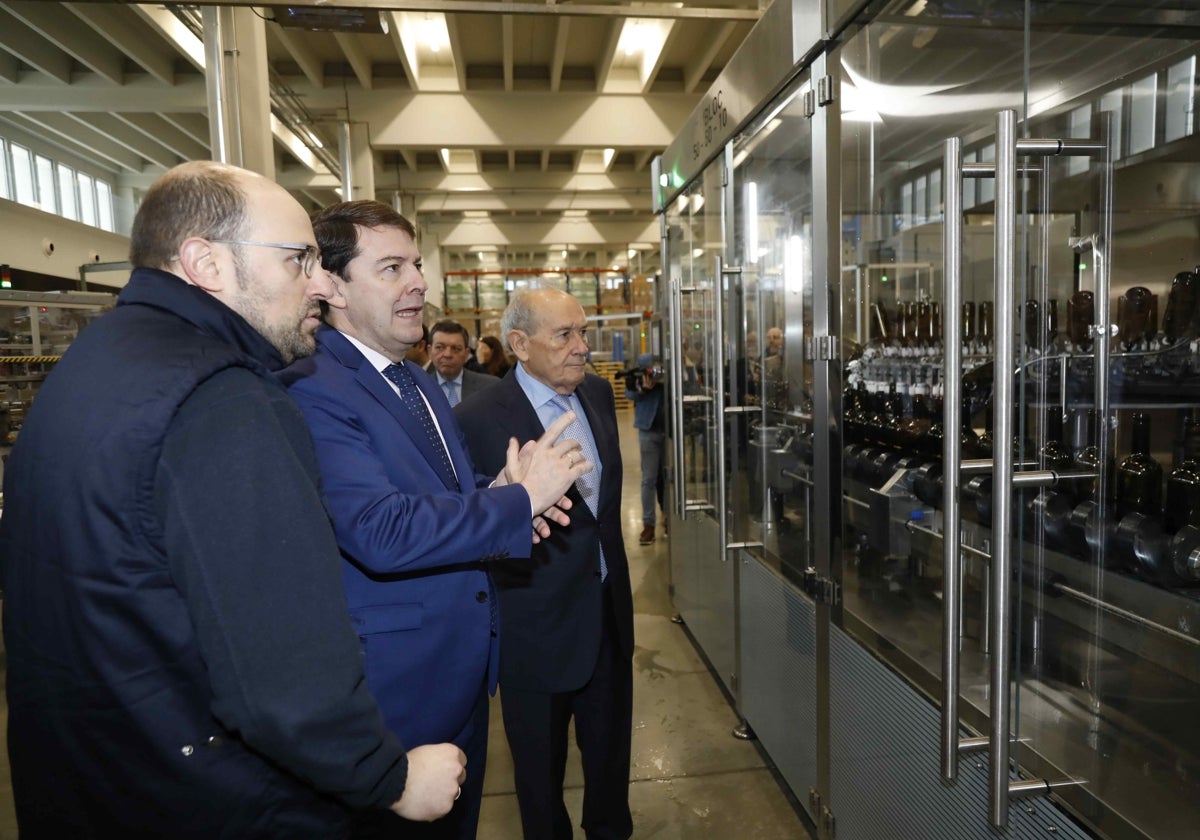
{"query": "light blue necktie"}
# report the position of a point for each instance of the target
(589, 483)
(451, 389)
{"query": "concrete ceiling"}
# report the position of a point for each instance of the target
(515, 130)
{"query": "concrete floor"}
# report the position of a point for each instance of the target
(690, 778)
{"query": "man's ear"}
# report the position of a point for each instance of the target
(519, 342)
(200, 266)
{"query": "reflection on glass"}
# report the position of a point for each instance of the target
(1107, 633)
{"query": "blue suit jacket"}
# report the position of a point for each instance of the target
(418, 593)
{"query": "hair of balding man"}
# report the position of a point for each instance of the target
(522, 313)
(199, 198)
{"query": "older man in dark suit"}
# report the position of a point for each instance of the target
(448, 354)
(566, 613)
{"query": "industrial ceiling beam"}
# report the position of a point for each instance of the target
(128, 38)
(125, 136)
(26, 44)
(138, 94)
(308, 61)
(77, 150)
(694, 73)
(75, 131)
(520, 119)
(561, 32)
(155, 127)
(492, 7)
(360, 62)
(75, 40)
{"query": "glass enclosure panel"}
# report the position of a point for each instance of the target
(698, 343)
(772, 235)
(703, 580)
(1105, 618)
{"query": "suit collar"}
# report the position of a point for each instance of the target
(340, 348)
(462, 375)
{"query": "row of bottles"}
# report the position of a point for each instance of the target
(917, 325)
(1149, 526)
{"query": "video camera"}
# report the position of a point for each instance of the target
(633, 376)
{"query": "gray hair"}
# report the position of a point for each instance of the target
(519, 315)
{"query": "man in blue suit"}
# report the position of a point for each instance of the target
(416, 525)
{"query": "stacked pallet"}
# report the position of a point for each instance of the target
(609, 370)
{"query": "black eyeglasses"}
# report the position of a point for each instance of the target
(306, 254)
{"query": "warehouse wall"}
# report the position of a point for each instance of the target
(26, 235)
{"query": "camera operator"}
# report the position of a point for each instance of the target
(642, 385)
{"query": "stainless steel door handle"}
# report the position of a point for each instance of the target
(951, 454)
(677, 398)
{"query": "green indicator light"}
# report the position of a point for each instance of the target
(883, 279)
(5, 284)
(1083, 266)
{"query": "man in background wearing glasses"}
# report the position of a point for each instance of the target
(180, 662)
(566, 613)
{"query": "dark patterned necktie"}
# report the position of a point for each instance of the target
(588, 483)
(410, 395)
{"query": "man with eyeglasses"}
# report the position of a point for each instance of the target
(179, 659)
(449, 354)
(566, 613)
(417, 524)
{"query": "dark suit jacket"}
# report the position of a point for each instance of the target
(418, 595)
(551, 604)
(472, 382)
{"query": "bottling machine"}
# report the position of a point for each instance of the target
(931, 292)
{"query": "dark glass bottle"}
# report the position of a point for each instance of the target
(986, 324)
(1181, 306)
(968, 324)
(1081, 314)
(903, 328)
(1133, 315)
(1183, 484)
(1033, 324)
(914, 327)
(1088, 460)
(983, 446)
(1054, 454)
(850, 408)
(1139, 477)
(877, 417)
(881, 327)
(924, 324)
(893, 418)
(1022, 447)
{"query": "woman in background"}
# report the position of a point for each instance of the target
(490, 354)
